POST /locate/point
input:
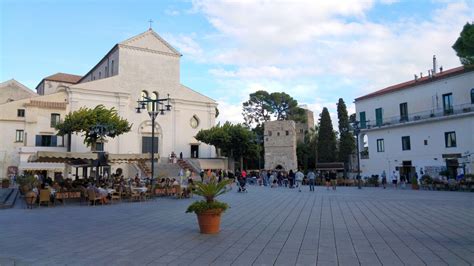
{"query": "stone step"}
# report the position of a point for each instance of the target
(8, 197)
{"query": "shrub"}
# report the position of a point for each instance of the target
(202, 206)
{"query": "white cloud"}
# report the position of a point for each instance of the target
(319, 51)
(186, 45)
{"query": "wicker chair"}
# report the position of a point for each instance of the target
(178, 191)
(44, 196)
(117, 195)
(93, 197)
(61, 196)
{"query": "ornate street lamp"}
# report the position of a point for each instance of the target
(157, 107)
(356, 131)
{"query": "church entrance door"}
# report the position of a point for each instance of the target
(194, 151)
(146, 144)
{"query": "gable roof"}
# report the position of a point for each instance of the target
(412, 83)
(150, 40)
(64, 77)
(17, 84)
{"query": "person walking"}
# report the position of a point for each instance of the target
(311, 177)
(384, 179)
(327, 179)
(333, 176)
(394, 179)
(299, 179)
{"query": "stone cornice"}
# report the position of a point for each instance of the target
(47, 104)
(148, 50)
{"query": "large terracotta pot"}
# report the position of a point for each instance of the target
(210, 221)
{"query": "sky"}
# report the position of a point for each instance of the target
(316, 51)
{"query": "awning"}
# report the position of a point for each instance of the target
(41, 166)
(61, 157)
(212, 163)
(131, 157)
(329, 166)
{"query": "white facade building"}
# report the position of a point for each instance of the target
(424, 125)
(144, 65)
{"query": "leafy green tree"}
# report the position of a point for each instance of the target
(257, 109)
(464, 45)
(346, 139)
(306, 150)
(284, 107)
(235, 141)
(85, 119)
(327, 150)
(262, 106)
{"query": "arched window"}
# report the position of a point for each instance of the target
(154, 95)
(472, 95)
(143, 96)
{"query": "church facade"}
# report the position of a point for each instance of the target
(142, 66)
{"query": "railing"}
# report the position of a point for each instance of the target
(419, 116)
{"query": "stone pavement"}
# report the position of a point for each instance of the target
(265, 226)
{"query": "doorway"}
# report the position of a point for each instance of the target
(194, 151)
(407, 171)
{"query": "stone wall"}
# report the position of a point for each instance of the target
(280, 145)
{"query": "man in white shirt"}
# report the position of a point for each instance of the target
(299, 179)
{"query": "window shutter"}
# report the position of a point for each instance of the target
(38, 140)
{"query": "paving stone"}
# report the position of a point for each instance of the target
(263, 227)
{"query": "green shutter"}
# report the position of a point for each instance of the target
(363, 123)
(378, 117)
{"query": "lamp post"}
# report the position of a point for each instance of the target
(158, 106)
(356, 131)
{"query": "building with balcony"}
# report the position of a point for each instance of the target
(425, 125)
(142, 66)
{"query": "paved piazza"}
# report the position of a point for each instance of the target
(266, 226)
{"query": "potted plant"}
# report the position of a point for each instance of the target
(209, 211)
(414, 183)
(5, 183)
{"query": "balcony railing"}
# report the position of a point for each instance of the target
(420, 116)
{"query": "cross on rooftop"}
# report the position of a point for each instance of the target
(150, 21)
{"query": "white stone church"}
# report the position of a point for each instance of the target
(144, 65)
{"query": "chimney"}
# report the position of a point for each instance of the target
(434, 64)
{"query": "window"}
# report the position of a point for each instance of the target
(301, 130)
(378, 117)
(112, 68)
(403, 112)
(448, 103)
(19, 135)
(144, 96)
(287, 132)
(100, 74)
(20, 113)
(146, 144)
(380, 145)
(154, 96)
(99, 146)
(106, 71)
(425, 142)
(363, 123)
(269, 133)
(450, 139)
(406, 143)
(46, 141)
(278, 134)
(472, 95)
(55, 119)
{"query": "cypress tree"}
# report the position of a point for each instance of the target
(346, 140)
(327, 151)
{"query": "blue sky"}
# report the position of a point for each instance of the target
(317, 51)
